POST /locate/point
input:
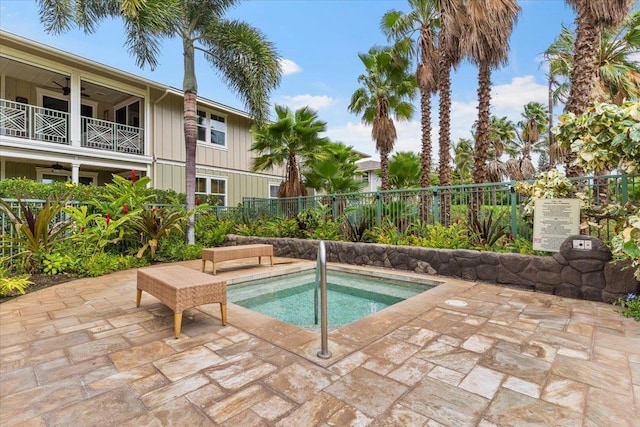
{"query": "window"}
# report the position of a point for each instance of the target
(215, 190)
(212, 128)
(48, 176)
(365, 177)
(273, 191)
(128, 114)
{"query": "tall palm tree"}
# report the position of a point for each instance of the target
(591, 18)
(452, 21)
(293, 140)
(485, 41)
(247, 62)
(617, 74)
(387, 89)
(336, 172)
(419, 26)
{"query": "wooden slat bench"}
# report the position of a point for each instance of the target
(180, 288)
(226, 253)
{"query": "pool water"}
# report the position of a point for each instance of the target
(350, 297)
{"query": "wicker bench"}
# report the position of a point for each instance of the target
(226, 253)
(180, 288)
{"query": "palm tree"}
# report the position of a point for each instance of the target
(386, 90)
(418, 25)
(336, 172)
(485, 41)
(405, 170)
(528, 141)
(245, 59)
(463, 161)
(293, 140)
(617, 75)
(591, 18)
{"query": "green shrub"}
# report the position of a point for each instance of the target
(56, 263)
(103, 263)
(9, 284)
(629, 306)
(211, 231)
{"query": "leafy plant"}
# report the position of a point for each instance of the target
(56, 263)
(94, 232)
(627, 243)
(11, 283)
(37, 232)
(486, 232)
(550, 184)
(211, 231)
(629, 306)
(103, 263)
(153, 225)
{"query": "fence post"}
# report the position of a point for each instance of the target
(625, 189)
(514, 209)
(378, 207)
(435, 205)
(334, 209)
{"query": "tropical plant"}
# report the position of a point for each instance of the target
(419, 27)
(591, 19)
(11, 283)
(550, 184)
(626, 244)
(386, 90)
(485, 231)
(155, 224)
(122, 196)
(605, 137)
(404, 170)
(56, 263)
(520, 166)
(37, 232)
(463, 161)
(485, 41)
(291, 139)
(247, 62)
(93, 233)
(335, 171)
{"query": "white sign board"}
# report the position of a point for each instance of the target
(553, 221)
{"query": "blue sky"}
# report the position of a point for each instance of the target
(320, 41)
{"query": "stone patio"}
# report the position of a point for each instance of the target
(82, 354)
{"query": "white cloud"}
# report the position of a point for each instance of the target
(514, 95)
(317, 102)
(289, 67)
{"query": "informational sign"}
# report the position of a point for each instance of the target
(553, 221)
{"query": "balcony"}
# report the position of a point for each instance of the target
(52, 126)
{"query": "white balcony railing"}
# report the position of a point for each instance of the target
(47, 125)
(105, 135)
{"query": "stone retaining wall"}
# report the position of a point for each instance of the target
(575, 273)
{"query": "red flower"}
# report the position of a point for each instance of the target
(197, 201)
(125, 209)
(82, 230)
(108, 217)
(133, 175)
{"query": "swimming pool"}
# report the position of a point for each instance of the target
(350, 297)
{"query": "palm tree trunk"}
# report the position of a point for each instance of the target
(425, 158)
(190, 135)
(444, 142)
(384, 169)
(582, 74)
(482, 135)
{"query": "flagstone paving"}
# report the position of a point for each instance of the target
(82, 354)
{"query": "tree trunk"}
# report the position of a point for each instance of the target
(190, 135)
(384, 169)
(582, 75)
(425, 158)
(482, 135)
(444, 142)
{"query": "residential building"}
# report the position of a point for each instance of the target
(369, 170)
(64, 117)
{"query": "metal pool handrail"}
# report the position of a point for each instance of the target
(324, 353)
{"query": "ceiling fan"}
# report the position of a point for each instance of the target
(66, 90)
(58, 167)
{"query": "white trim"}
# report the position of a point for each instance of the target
(271, 184)
(216, 169)
(208, 192)
(40, 92)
